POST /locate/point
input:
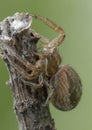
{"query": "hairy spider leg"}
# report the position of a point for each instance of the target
(55, 42)
(25, 65)
(35, 85)
(23, 72)
(22, 61)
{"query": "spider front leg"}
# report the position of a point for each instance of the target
(26, 70)
(55, 42)
(33, 84)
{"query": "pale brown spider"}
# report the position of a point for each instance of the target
(49, 58)
(62, 83)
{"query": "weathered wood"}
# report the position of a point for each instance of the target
(18, 49)
(37, 76)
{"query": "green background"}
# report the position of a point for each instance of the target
(75, 16)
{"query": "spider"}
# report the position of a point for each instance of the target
(63, 84)
(49, 60)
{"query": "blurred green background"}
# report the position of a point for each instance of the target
(75, 16)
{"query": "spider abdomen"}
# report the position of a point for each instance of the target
(67, 88)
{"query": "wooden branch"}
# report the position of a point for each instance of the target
(36, 76)
(18, 51)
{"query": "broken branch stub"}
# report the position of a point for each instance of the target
(20, 53)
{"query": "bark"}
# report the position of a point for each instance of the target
(19, 47)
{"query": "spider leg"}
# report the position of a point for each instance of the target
(24, 70)
(50, 93)
(34, 85)
(48, 99)
(55, 42)
(44, 39)
(20, 60)
(22, 66)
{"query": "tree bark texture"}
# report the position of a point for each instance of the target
(19, 44)
(37, 76)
